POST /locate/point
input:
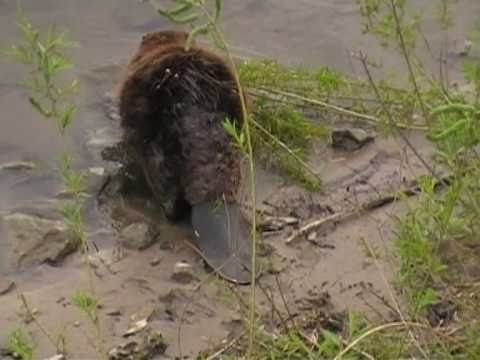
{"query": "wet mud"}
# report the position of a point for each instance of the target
(345, 263)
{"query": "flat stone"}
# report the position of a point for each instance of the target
(57, 357)
(136, 236)
(350, 139)
(33, 240)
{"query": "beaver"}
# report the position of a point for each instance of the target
(173, 105)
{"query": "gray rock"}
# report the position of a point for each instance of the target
(350, 139)
(136, 236)
(32, 240)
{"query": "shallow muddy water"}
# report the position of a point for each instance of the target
(309, 32)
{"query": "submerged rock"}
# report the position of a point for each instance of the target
(350, 139)
(32, 240)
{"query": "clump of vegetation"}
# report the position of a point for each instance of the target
(21, 345)
(87, 303)
(44, 55)
(277, 124)
(437, 238)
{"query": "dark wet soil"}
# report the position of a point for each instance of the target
(349, 258)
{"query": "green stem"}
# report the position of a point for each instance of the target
(246, 120)
(404, 50)
(340, 110)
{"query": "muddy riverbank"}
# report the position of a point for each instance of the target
(201, 312)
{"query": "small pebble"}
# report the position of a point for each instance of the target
(155, 262)
(183, 273)
(114, 312)
(57, 357)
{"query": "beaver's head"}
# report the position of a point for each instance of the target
(157, 39)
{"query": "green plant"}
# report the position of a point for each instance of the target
(20, 344)
(44, 56)
(87, 303)
(436, 237)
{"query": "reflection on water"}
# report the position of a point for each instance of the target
(303, 31)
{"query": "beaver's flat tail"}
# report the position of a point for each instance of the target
(222, 237)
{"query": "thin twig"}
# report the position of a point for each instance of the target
(315, 224)
(373, 331)
(363, 59)
(367, 206)
(396, 307)
(287, 149)
(226, 347)
(32, 316)
(284, 300)
(403, 47)
(274, 306)
(246, 121)
(368, 118)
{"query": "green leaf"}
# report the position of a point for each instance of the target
(217, 40)
(39, 107)
(218, 9)
(331, 337)
(179, 19)
(444, 109)
(202, 29)
(65, 119)
(180, 9)
(461, 124)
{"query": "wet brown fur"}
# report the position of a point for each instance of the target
(172, 105)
